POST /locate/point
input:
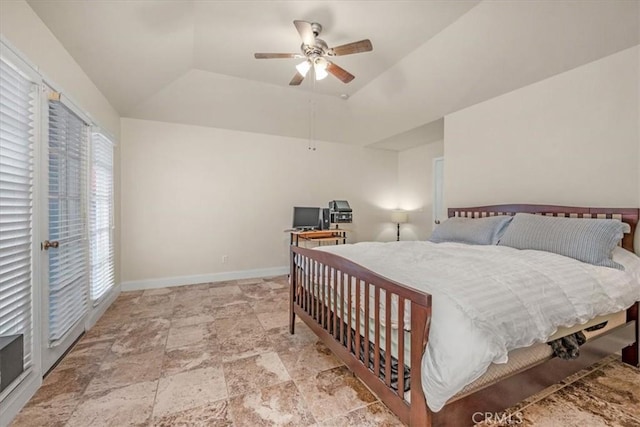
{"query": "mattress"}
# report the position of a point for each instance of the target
(519, 359)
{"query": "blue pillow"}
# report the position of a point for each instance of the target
(473, 231)
(585, 239)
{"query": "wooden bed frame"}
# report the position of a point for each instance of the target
(316, 273)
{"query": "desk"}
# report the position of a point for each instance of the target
(335, 236)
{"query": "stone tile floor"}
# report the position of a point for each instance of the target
(221, 355)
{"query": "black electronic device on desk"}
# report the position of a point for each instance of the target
(340, 212)
(306, 218)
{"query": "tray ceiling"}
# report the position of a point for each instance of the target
(192, 61)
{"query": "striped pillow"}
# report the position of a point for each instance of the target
(473, 231)
(587, 240)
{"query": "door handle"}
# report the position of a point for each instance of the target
(437, 221)
(47, 244)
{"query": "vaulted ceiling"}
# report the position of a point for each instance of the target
(192, 61)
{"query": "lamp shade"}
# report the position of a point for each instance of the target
(320, 68)
(399, 217)
(303, 68)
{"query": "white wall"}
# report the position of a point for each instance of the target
(415, 184)
(25, 30)
(571, 139)
(193, 194)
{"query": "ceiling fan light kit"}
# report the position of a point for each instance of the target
(316, 51)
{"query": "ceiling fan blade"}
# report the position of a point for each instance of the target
(277, 55)
(339, 72)
(350, 48)
(296, 80)
(304, 28)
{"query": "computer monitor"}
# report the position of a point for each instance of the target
(306, 218)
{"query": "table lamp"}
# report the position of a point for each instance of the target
(399, 217)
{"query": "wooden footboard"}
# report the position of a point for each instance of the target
(340, 300)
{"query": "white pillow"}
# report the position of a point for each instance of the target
(629, 260)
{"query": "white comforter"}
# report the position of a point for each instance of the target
(489, 300)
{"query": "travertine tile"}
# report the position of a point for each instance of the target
(126, 406)
(214, 414)
(374, 415)
(272, 304)
(618, 384)
(241, 337)
(334, 392)
(189, 294)
(183, 359)
(225, 289)
(190, 335)
(307, 361)
(179, 322)
(302, 353)
(158, 291)
(283, 339)
(71, 380)
(262, 290)
(188, 390)
(53, 412)
(155, 311)
(154, 298)
(142, 336)
(249, 281)
(126, 369)
(278, 405)
(227, 294)
(273, 320)
(253, 373)
(232, 310)
(86, 353)
(191, 308)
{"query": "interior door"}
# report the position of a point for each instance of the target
(439, 211)
(65, 244)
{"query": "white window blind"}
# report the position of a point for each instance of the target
(17, 96)
(101, 217)
(68, 264)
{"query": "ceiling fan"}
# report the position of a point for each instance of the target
(315, 51)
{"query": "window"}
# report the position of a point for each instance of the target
(101, 216)
(17, 98)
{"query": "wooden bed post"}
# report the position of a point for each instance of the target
(420, 415)
(292, 294)
(630, 354)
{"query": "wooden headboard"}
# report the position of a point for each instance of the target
(627, 215)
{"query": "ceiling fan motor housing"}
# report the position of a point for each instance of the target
(319, 48)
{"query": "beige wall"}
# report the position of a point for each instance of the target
(571, 139)
(415, 184)
(191, 195)
(25, 30)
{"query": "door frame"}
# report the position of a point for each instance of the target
(437, 208)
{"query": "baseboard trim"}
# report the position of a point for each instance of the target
(164, 282)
